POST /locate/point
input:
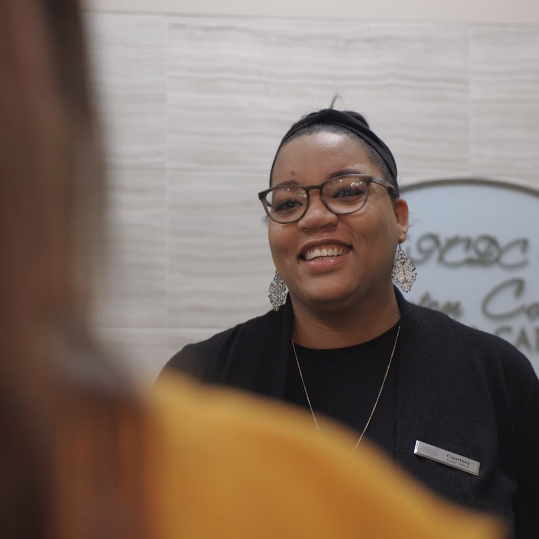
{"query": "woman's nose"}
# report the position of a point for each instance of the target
(317, 214)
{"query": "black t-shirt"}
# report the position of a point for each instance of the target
(343, 383)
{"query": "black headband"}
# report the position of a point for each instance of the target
(352, 122)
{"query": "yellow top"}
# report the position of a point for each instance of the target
(231, 466)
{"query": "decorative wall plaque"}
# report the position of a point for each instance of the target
(475, 243)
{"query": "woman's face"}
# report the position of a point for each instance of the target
(365, 241)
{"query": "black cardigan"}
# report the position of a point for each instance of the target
(459, 389)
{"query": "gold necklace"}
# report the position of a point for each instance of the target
(377, 398)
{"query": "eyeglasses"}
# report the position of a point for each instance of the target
(341, 195)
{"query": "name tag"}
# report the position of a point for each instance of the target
(446, 457)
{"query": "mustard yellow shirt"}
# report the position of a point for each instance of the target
(227, 465)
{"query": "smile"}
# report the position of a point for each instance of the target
(325, 252)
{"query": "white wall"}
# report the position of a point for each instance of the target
(189, 101)
(478, 11)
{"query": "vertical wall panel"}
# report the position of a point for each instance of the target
(129, 59)
(505, 102)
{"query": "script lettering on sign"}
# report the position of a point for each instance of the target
(505, 301)
(458, 251)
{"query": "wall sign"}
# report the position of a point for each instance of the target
(475, 244)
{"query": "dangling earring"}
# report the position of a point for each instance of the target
(277, 292)
(404, 273)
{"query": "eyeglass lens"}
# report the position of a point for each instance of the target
(342, 195)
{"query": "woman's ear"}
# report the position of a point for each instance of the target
(400, 207)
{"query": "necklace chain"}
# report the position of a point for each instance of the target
(375, 403)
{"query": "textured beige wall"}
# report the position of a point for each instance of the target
(480, 11)
(197, 103)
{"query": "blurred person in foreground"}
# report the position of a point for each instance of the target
(87, 454)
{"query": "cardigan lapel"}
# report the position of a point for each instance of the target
(412, 414)
(276, 353)
(430, 398)
(258, 358)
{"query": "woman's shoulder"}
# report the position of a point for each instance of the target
(491, 351)
(200, 358)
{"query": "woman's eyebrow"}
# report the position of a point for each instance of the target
(337, 173)
(344, 172)
(286, 182)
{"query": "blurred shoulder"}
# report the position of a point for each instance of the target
(267, 468)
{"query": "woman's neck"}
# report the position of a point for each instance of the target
(338, 327)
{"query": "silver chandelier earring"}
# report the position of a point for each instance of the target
(277, 292)
(404, 272)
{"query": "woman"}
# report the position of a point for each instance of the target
(347, 345)
(86, 454)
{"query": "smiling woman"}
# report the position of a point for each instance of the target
(343, 343)
(354, 283)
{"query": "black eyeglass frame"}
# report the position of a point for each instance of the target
(368, 180)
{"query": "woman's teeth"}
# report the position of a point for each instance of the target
(316, 253)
